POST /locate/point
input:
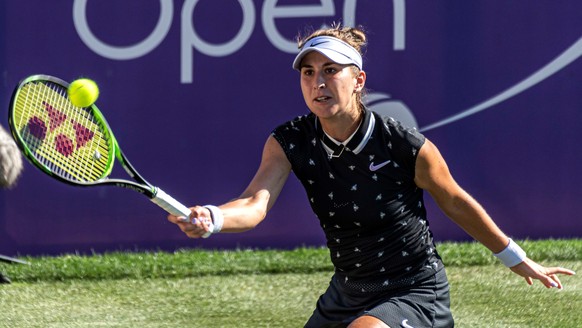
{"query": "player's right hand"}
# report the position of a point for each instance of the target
(195, 226)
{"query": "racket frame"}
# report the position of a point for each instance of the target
(140, 184)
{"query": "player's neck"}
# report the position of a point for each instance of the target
(342, 127)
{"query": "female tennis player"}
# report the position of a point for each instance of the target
(365, 178)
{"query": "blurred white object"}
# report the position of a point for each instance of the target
(10, 160)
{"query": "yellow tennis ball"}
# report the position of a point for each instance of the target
(83, 92)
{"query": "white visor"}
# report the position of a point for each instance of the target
(332, 48)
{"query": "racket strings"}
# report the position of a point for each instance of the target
(67, 140)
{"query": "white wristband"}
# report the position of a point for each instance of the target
(512, 255)
(217, 217)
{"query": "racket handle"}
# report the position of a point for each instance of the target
(174, 207)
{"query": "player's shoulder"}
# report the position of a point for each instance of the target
(391, 124)
(295, 134)
(300, 124)
(396, 129)
(398, 134)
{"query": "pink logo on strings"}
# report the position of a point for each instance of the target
(62, 143)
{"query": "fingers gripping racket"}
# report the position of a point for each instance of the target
(73, 144)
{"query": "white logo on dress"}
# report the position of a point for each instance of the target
(379, 166)
(405, 324)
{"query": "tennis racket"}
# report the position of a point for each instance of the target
(74, 144)
(8, 259)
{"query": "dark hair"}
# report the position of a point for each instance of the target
(354, 36)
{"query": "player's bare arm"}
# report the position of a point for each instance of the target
(433, 175)
(249, 209)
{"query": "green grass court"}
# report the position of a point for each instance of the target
(264, 288)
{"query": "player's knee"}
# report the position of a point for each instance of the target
(367, 321)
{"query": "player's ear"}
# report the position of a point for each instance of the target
(360, 81)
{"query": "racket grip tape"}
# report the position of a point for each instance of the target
(174, 207)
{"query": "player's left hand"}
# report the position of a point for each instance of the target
(531, 270)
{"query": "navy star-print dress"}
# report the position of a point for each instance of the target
(364, 195)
